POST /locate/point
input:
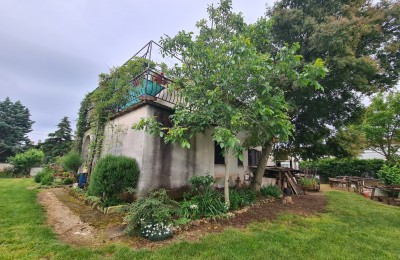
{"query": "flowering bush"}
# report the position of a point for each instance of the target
(189, 210)
(156, 231)
(202, 200)
(150, 217)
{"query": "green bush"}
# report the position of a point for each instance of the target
(308, 181)
(271, 191)
(202, 200)
(340, 167)
(151, 217)
(23, 162)
(111, 176)
(45, 176)
(71, 162)
(68, 181)
(390, 175)
(241, 198)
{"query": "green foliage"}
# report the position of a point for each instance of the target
(23, 227)
(308, 181)
(348, 142)
(100, 105)
(45, 176)
(150, 217)
(382, 125)
(390, 175)
(341, 167)
(228, 86)
(15, 123)
(24, 161)
(271, 191)
(112, 175)
(358, 41)
(71, 162)
(202, 200)
(241, 198)
(68, 181)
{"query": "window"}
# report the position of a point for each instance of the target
(254, 157)
(218, 154)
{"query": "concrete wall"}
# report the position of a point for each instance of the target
(164, 165)
(5, 167)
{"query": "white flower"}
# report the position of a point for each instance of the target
(193, 206)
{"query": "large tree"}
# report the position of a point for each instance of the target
(227, 86)
(359, 43)
(15, 123)
(382, 125)
(58, 143)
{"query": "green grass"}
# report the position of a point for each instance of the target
(351, 228)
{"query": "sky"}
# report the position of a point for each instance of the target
(52, 51)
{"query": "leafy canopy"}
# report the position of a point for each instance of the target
(59, 142)
(359, 44)
(381, 125)
(23, 162)
(15, 123)
(228, 86)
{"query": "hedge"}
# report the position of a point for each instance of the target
(340, 167)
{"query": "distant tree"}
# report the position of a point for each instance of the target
(348, 142)
(23, 162)
(359, 42)
(59, 142)
(15, 123)
(382, 125)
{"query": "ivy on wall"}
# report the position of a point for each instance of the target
(99, 106)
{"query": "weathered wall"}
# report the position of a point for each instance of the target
(165, 165)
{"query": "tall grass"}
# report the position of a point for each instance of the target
(351, 228)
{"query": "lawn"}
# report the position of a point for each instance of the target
(352, 228)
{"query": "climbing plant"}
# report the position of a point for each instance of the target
(99, 106)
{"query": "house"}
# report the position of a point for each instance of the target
(163, 165)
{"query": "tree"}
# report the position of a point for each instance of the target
(15, 123)
(24, 161)
(348, 142)
(359, 44)
(226, 85)
(59, 142)
(381, 125)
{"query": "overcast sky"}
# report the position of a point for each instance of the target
(52, 51)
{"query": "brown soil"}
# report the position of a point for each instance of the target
(77, 224)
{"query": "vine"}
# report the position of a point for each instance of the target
(99, 106)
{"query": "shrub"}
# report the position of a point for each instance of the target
(241, 198)
(22, 162)
(390, 175)
(71, 162)
(202, 200)
(45, 176)
(339, 167)
(151, 217)
(112, 175)
(307, 181)
(68, 181)
(271, 191)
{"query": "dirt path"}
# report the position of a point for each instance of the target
(70, 228)
(77, 224)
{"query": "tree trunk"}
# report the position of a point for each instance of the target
(228, 156)
(257, 180)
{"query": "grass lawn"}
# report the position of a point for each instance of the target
(352, 228)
